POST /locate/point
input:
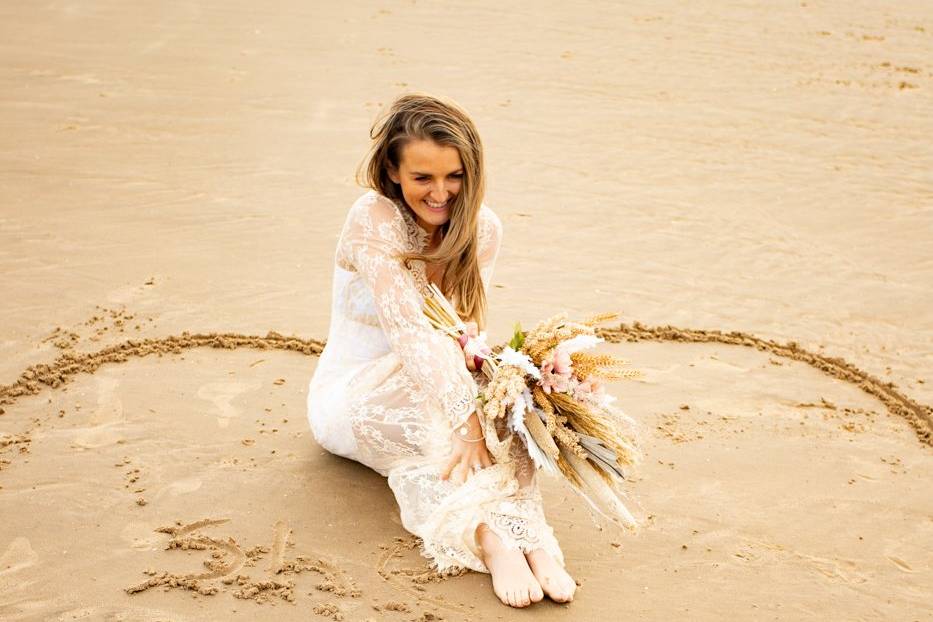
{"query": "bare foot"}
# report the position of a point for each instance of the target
(555, 581)
(512, 579)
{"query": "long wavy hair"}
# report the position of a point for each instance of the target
(421, 116)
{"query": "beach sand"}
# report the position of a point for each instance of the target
(173, 177)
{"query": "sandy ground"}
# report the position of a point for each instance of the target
(185, 166)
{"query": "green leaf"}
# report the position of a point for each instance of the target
(518, 339)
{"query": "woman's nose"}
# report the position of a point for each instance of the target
(439, 194)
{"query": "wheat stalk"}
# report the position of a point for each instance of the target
(443, 316)
(600, 493)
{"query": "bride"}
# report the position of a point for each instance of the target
(394, 394)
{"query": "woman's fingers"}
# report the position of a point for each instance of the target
(449, 466)
(460, 466)
(461, 471)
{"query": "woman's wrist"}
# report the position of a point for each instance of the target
(474, 351)
(470, 430)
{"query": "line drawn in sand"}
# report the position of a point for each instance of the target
(70, 363)
(229, 561)
(416, 577)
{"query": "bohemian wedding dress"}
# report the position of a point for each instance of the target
(388, 390)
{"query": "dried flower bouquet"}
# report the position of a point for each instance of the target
(546, 389)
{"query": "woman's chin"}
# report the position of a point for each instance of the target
(436, 219)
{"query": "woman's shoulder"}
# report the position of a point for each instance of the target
(489, 232)
(376, 208)
(373, 215)
(372, 200)
(488, 214)
(489, 222)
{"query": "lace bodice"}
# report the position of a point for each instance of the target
(376, 289)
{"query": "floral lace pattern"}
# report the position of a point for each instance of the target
(388, 389)
(372, 235)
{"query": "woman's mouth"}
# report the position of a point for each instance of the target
(437, 207)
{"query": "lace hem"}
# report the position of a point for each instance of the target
(517, 533)
(490, 496)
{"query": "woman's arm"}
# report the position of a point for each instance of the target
(467, 455)
(372, 236)
(490, 239)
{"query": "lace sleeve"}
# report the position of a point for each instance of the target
(373, 234)
(490, 239)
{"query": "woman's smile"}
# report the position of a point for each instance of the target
(437, 207)
(430, 176)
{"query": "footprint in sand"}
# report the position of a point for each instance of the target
(106, 419)
(832, 568)
(901, 564)
(841, 569)
(222, 394)
(715, 363)
(109, 407)
(142, 536)
(100, 436)
(123, 295)
(184, 486)
(17, 556)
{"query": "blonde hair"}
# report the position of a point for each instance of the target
(421, 116)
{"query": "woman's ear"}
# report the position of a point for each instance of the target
(393, 173)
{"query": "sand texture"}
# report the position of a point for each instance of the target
(748, 186)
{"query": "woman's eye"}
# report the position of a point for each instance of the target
(454, 175)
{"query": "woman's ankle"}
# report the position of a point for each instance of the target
(485, 538)
(491, 544)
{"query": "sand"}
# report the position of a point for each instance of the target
(751, 185)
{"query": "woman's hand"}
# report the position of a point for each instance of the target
(467, 457)
(473, 347)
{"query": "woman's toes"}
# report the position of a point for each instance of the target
(552, 577)
(537, 594)
(559, 591)
(565, 592)
(525, 598)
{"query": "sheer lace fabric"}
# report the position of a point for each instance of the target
(389, 388)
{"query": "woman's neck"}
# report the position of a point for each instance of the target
(435, 238)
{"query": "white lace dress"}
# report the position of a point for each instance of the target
(389, 388)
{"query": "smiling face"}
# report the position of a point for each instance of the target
(430, 175)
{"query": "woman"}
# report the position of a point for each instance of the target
(395, 394)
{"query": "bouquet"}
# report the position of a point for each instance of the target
(546, 389)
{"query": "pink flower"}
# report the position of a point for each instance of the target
(588, 390)
(562, 362)
(556, 372)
